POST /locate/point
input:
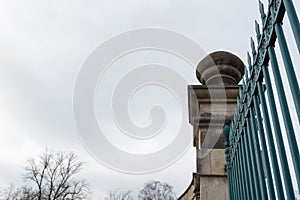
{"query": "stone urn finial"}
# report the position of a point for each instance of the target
(220, 68)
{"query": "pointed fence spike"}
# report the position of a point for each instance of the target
(246, 72)
(257, 29)
(262, 11)
(252, 47)
(244, 84)
(231, 129)
(249, 59)
(240, 90)
(247, 78)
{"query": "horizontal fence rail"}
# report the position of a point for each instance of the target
(256, 156)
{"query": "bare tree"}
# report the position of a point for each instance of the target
(15, 193)
(155, 190)
(119, 195)
(53, 176)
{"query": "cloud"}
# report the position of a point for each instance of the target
(43, 45)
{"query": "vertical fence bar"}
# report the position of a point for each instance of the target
(291, 12)
(227, 130)
(243, 184)
(229, 181)
(273, 155)
(231, 139)
(232, 184)
(238, 177)
(291, 75)
(286, 115)
(235, 183)
(249, 165)
(247, 175)
(256, 145)
(235, 191)
(264, 149)
(254, 161)
(240, 174)
(279, 139)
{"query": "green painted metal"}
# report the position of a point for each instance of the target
(229, 176)
(273, 155)
(257, 150)
(278, 136)
(229, 183)
(242, 174)
(235, 183)
(251, 157)
(242, 194)
(247, 175)
(289, 67)
(265, 156)
(254, 161)
(289, 6)
(237, 177)
(251, 175)
(286, 114)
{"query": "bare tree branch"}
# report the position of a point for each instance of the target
(155, 190)
(119, 195)
(54, 176)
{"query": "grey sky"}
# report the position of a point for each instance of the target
(43, 45)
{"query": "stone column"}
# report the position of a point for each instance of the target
(210, 104)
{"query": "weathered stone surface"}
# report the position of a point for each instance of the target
(217, 162)
(220, 68)
(205, 101)
(211, 137)
(210, 105)
(209, 113)
(189, 193)
(212, 164)
(213, 188)
(204, 164)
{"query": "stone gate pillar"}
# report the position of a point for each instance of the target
(210, 104)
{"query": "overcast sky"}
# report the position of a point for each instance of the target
(43, 45)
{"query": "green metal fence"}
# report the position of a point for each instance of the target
(254, 137)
